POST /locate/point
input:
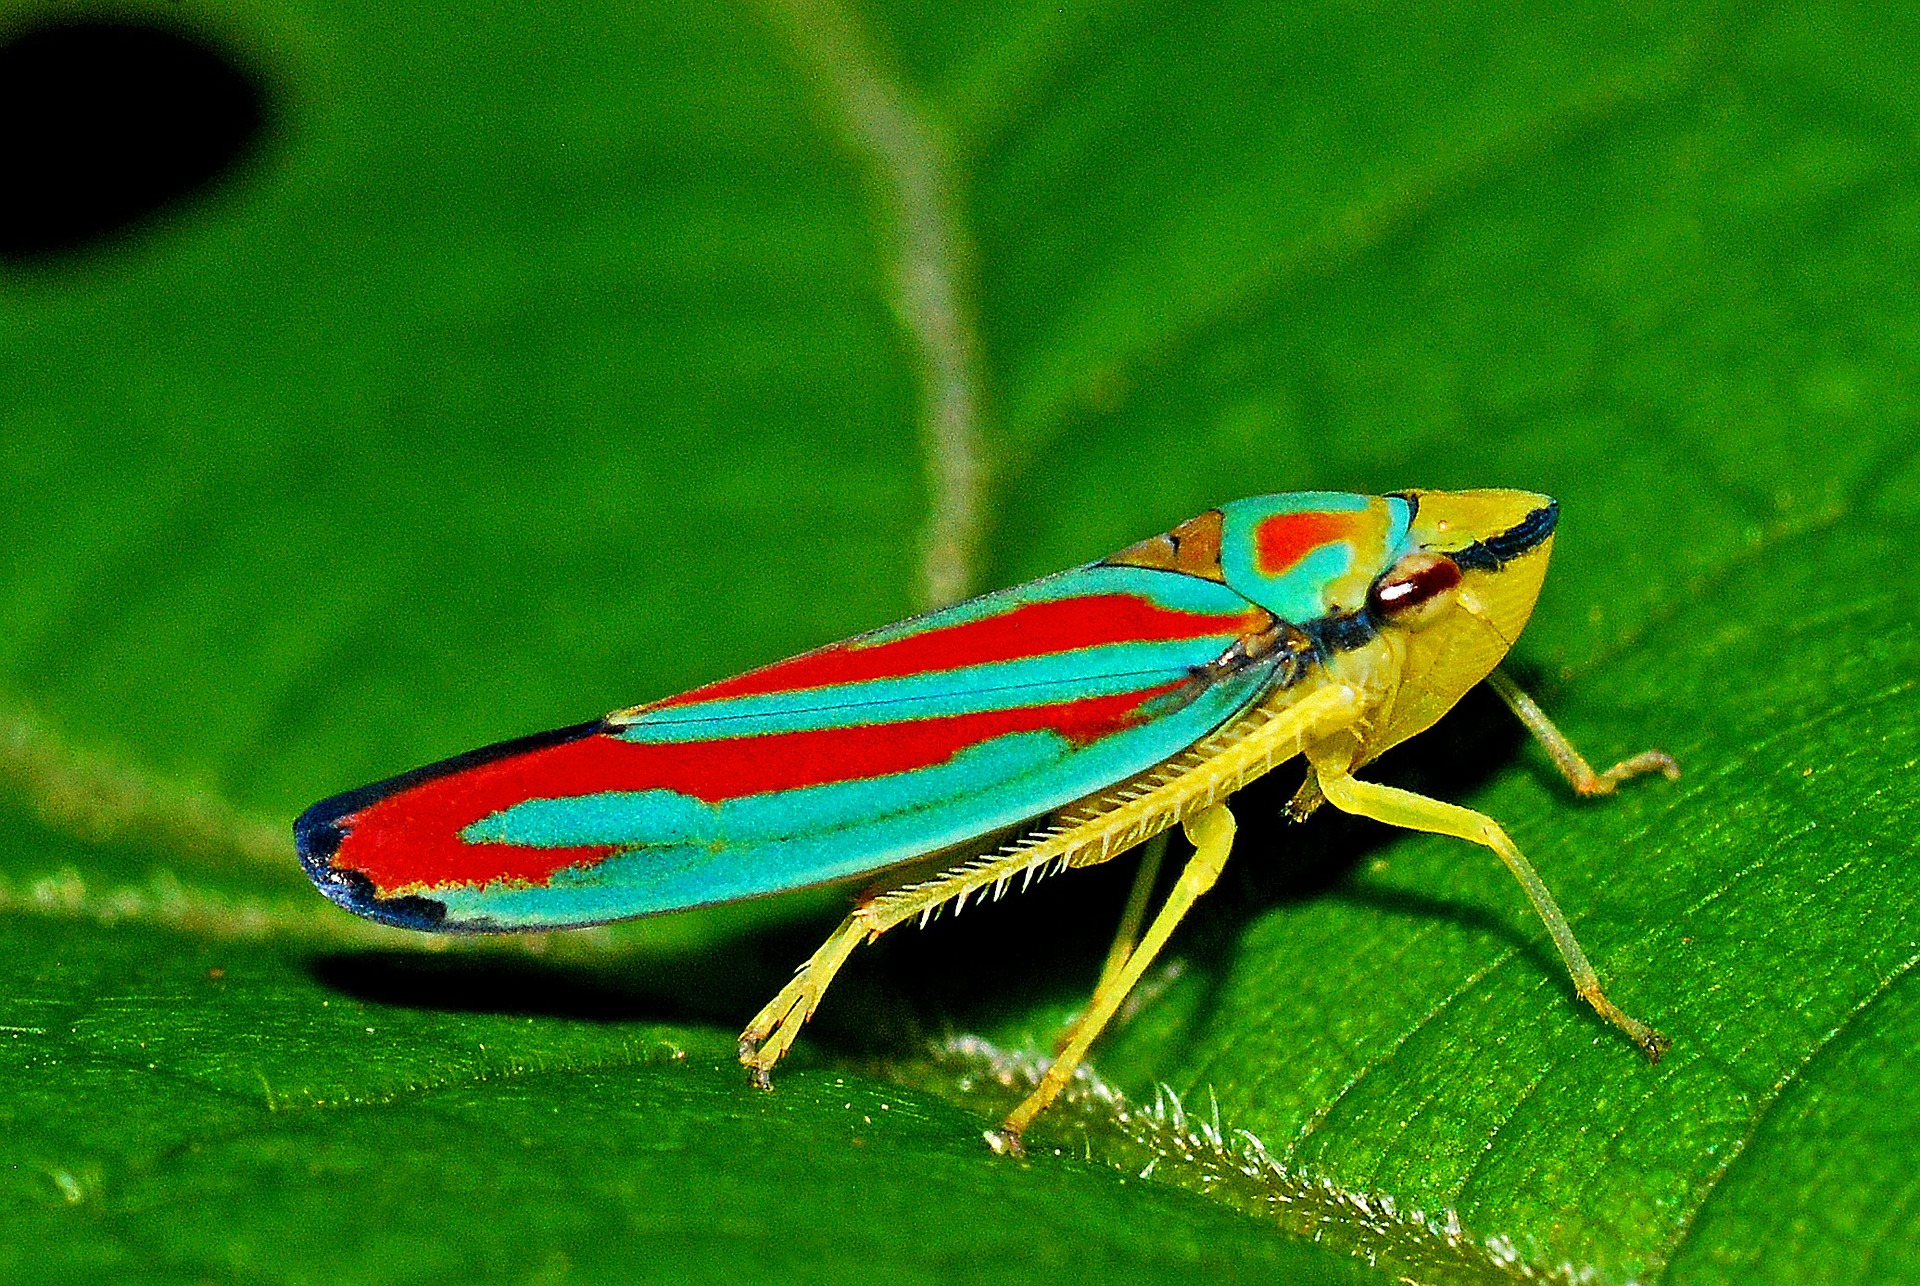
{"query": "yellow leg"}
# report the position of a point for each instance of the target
(1211, 832)
(1305, 800)
(775, 1028)
(1152, 854)
(1571, 763)
(1419, 813)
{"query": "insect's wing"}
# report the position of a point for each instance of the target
(850, 759)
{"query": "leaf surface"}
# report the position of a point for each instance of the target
(536, 365)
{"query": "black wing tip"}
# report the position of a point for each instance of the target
(317, 834)
(354, 892)
(316, 837)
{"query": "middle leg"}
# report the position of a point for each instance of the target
(1414, 812)
(1211, 832)
(1152, 854)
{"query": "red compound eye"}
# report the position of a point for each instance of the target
(1414, 580)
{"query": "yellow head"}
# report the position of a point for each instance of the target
(1453, 603)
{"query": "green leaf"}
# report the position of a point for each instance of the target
(192, 1110)
(541, 363)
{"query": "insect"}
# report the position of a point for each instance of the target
(1055, 724)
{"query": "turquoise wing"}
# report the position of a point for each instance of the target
(844, 761)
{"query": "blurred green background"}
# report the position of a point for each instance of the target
(529, 364)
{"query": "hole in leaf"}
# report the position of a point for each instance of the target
(103, 123)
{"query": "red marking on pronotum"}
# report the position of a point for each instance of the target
(411, 839)
(1032, 629)
(1283, 540)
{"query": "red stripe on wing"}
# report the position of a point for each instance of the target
(411, 839)
(1032, 629)
(1283, 540)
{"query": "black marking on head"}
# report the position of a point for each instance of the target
(319, 830)
(1343, 631)
(1495, 552)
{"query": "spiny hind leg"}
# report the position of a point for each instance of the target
(1571, 763)
(774, 1029)
(1418, 813)
(1211, 831)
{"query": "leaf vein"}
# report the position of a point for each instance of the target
(913, 168)
(1715, 1181)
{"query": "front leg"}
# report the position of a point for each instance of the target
(1572, 764)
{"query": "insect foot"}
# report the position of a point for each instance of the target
(1652, 1043)
(774, 1029)
(1005, 1143)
